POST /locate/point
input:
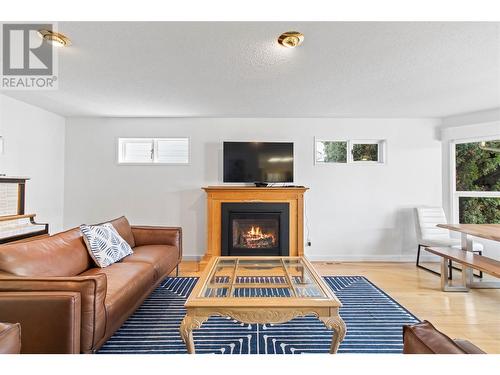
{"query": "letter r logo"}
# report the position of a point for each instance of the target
(24, 52)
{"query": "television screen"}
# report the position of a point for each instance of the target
(258, 162)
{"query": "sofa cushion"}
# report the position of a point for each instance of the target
(105, 244)
(127, 284)
(163, 258)
(124, 229)
(63, 254)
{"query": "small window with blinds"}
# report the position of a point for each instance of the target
(158, 151)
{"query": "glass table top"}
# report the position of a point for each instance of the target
(285, 277)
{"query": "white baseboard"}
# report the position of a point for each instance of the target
(351, 258)
(371, 258)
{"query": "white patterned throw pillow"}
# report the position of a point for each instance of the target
(104, 244)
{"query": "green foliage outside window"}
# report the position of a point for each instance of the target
(335, 152)
(479, 210)
(365, 152)
(478, 169)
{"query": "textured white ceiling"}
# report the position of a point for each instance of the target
(237, 69)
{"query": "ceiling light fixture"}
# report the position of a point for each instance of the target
(56, 39)
(291, 39)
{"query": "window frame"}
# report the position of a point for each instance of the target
(154, 145)
(382, 151)
(456, 195)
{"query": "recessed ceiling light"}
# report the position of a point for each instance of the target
(56, 39)
(291, 39)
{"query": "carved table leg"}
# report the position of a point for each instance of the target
(189, 323)
(336, 324)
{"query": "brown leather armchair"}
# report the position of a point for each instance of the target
(424, 338)
(64, 302)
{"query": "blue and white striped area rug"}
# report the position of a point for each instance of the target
(374, 325)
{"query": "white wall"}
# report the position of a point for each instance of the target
(355, 212)
(476, 125)
(34, 147)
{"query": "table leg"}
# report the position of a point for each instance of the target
(336, 324)
(447, 284)
(467, 245)
(188, 324)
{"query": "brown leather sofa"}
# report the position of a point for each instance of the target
(64, 302)
(424, 338)
(10, 338)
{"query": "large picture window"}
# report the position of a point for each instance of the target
(476, 195)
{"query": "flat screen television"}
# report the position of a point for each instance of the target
(267, 162)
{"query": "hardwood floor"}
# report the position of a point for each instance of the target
(474, 316)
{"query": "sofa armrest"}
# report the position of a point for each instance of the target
(92, 291)
(151, 235)
(54, 328)
(468, 347)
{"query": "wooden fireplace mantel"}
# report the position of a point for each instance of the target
(216, 195)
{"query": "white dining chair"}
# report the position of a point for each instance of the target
(428, 234)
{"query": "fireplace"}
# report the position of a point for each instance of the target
(250, 228)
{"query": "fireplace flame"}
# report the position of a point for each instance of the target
(253, 236)
(255, 231)
(256, 238)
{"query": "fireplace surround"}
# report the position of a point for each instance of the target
(219, 195)
(250, 228)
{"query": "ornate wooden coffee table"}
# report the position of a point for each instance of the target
(261, 290)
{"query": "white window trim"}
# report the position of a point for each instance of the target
(456, 195)
(154, 145)
(382, 151)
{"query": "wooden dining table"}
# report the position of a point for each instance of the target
(467, 231)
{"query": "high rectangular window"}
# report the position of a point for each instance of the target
(349, 151)
(173, 151)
